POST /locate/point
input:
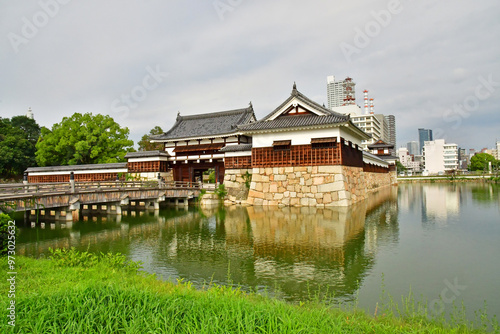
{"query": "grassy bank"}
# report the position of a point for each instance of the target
(75, 294)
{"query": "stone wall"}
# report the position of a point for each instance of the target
(234, 182)
(313, 186)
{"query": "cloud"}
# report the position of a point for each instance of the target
(427, 58)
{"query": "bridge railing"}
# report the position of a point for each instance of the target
(20, 189)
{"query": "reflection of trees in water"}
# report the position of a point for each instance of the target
(297, 250)
(486, 193)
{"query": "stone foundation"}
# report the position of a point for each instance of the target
(313, 186)
(235, 184)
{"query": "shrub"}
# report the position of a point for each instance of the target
(4, 233)
(221, 191)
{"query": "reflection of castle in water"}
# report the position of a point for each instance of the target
(296, 249)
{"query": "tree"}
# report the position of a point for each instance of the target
(18, 137)
(480, 161)
(400, 167)
(146, 145)
(83, 139)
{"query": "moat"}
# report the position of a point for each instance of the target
(439, 240)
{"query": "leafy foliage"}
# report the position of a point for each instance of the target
(83, 139)
(400, 167)
(221, 191)
(145, 145)
(18, 137)
(481, 162)
(4, 233)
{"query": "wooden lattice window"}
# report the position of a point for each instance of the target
(282, 145)
(317, 143)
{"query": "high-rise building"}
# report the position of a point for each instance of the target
(439, 156)
(29, 114)
(369, 123)
(413, 148)
(391, 125)
(423, 136)
(340, 93)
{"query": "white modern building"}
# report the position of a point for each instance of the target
(407, 160)
(372, 124)
(440, 157)
(340, 93)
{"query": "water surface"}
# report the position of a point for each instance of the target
(441, 241)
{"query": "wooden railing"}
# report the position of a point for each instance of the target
(9, 190)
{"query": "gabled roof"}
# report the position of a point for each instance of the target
(294, 122)
(216, 124)
(318, 115)
(307, 102)
(380, 144)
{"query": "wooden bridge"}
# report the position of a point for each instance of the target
(65, 200)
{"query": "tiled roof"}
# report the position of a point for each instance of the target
(236, 148)
(380, 144)
(146, 154)
(73, 168)
(210, 124)
(305, 100)
(285, 122)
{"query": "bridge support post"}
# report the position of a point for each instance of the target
(72, 181)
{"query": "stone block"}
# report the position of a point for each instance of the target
(278, 196)
(329, 187)
(288, 170)
(327, 198)
(342, 194)
(255, 194)
(273, 187)
(318, 180)
(330, 169)
(339, 177)
(258, 186)
(335, 196)
(280, 177)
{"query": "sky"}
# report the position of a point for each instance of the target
(431, 64)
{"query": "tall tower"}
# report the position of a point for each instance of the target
(340, 93)
(391, 124)
(366, 101)
(423, 136)
(29, 114)
(349, 92)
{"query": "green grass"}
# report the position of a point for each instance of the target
(107, 295)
